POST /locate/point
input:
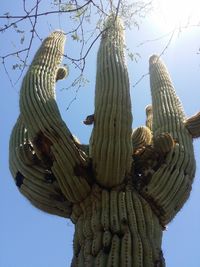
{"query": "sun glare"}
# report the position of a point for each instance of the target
(171, 14)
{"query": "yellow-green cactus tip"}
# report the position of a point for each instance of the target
(153, 59)
(62, 73)
(148, 110)
(59, 31)
(112, 21)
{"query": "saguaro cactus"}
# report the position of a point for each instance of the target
(122, 191)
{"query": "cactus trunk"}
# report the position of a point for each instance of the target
(116, 228)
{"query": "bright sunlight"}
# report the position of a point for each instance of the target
(171, 14)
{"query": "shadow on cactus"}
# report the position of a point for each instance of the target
(122, 189)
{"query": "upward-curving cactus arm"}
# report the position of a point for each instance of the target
(50, 136)
(32, 178)
(171, 184)
(111, 145)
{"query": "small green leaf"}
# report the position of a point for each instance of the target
(75, 37)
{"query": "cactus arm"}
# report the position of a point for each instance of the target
(193, 125)
(170, 185)
(50, 136)
(33, 179)
(111, 139)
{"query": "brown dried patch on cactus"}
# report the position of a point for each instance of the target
(89, 120)
(86, 171)
(145, 162)
(43, 145)
(62, 73)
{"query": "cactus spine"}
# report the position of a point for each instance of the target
(133, 184)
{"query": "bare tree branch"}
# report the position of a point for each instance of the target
(44, 13)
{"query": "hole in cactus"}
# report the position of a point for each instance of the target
(50, 178)
(19, 179)
(43, 144)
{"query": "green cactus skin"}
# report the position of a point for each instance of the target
(43, 120)
(35, 180)
(121, 199)
(163, 143)
(111, 146)
(170, 185)
(132, 237)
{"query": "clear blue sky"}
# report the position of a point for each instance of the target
(31, 238)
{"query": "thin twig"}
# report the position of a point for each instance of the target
(44, 13)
